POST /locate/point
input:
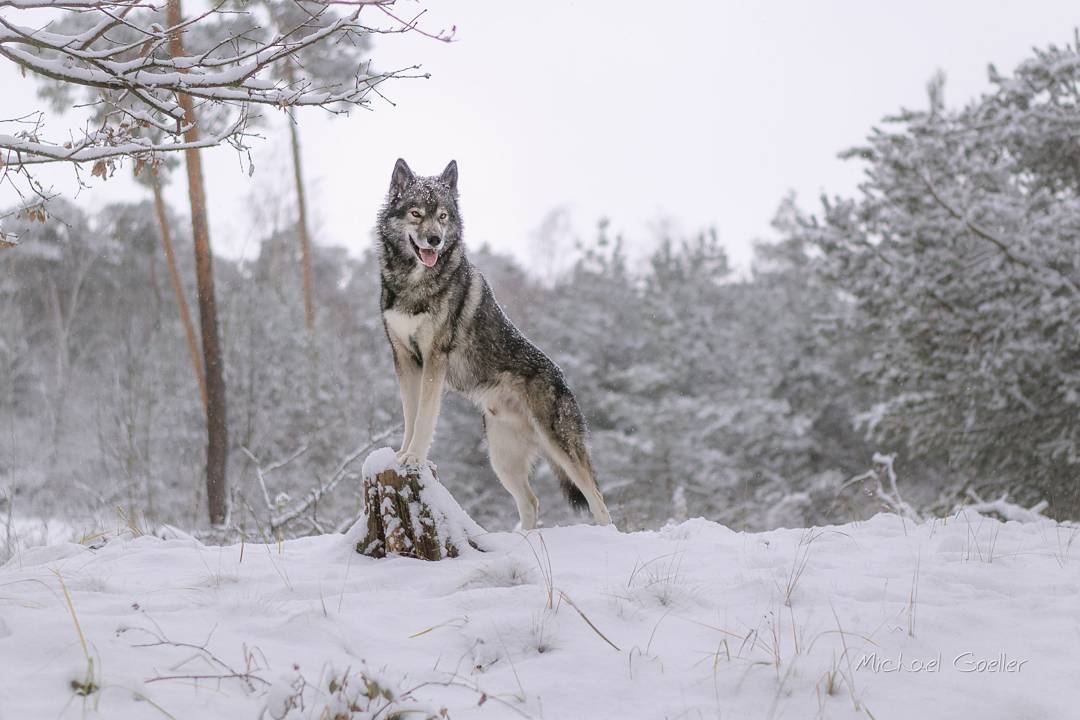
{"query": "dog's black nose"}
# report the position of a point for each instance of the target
(434, 241)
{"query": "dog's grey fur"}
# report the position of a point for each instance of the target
(445, 326)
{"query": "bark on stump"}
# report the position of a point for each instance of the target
(408, 512)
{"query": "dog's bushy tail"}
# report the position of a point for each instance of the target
(574, 496)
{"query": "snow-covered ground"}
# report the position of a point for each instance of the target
(965, 617)
(24, 532)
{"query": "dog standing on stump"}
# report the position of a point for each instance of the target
(445, 326)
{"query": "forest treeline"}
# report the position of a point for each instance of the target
(933, 315)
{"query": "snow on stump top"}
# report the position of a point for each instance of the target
(408, 512)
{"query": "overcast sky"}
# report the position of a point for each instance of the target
(677, 114)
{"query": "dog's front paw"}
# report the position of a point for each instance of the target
(410, 459)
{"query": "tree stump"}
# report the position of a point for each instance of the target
(408, 512)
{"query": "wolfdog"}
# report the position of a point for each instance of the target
(445, 326)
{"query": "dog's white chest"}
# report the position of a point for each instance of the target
(405, 327)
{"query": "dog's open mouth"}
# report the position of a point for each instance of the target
(427, 256)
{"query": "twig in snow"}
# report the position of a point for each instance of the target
(588, 622)
(881, 473)
(248, 676)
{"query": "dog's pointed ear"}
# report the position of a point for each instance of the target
(449, 176)
(402, 178)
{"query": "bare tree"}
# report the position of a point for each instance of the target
(302, 227)
(165, 232)
(325, 63)
(217, 429)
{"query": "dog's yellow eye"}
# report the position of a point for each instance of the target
(416, 214)
(443, 216)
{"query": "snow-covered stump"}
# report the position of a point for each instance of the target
(408, 512)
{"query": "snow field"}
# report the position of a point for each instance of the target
(692, 621)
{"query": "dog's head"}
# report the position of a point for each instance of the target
(421, 214)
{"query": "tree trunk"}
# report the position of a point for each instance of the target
(62, 321)
(178, 291)
(302, 225)
(156, 286)
(408, 512)
(301, 208)
(217, 445)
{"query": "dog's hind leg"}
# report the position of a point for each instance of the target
(512, 452)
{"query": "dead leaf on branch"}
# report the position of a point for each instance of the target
(34, 213)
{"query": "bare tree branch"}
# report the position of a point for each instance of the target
(28, 152)
(121, 51)
(317, 493)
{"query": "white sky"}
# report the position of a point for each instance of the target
(685, 114)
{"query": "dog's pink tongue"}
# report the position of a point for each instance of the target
(428, 257)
